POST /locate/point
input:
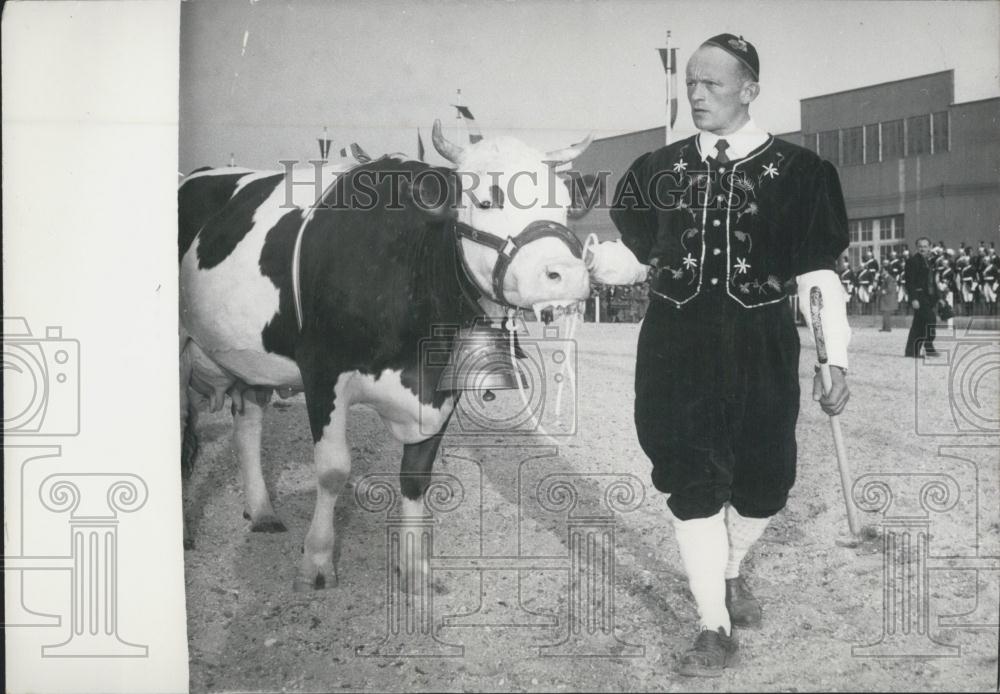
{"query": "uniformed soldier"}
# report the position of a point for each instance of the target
(847, 280)
(989, 278)
(872, 263)
(726, 217)
(946, 283)
(968, 278)
(895, 264)
(902, 291)
(888, 302)
(867, 280)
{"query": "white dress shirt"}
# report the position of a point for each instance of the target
(741, 143)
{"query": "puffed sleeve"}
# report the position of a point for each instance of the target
(824, 235)
(631, 211)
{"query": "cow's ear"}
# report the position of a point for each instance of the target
(584, 191)
(435, 192)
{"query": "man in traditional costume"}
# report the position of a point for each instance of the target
(725, 219)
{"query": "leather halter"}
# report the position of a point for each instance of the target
(507, 248)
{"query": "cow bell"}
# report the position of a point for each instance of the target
(480, 360)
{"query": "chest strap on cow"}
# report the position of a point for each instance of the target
(507, 248)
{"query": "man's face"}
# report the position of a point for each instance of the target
(717, 91)
(924, 248)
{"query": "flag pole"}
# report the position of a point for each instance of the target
(670, 67)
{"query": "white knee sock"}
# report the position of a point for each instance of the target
(743, 532)
(704, 548)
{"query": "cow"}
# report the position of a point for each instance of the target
(282, 291)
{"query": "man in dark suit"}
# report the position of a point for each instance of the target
(921, 287)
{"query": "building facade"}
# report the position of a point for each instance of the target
(912, 163)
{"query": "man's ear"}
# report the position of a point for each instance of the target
(434, 191)
(750, 92)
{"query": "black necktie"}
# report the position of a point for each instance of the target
(721, 146)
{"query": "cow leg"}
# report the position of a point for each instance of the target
(189, 450)
(248, 423)
(189, 426)
(414, 478)
(332, 457)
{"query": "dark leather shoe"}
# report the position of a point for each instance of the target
(744, 609)
(712, 653)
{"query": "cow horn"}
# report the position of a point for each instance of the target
(561, 156)
(359, 154)
(446, 149)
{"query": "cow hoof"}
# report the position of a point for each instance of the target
(322, 581)
(188, 536)
(265, 524)
(268, 525)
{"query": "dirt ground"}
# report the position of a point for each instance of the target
(248, 631)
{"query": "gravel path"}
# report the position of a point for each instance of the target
(248, 631)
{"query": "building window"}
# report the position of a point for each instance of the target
(871, 144)
(890, 228)
(918, 135)
(867, 227)
(880, 235)
(853, 146)
(892, 139)
(885, 229)
(829, 145)
(940, 129)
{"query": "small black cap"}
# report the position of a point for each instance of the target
(740, 49)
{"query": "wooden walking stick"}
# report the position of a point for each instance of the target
(846, 478)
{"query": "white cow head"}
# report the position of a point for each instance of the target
(507, 186)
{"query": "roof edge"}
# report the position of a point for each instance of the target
(883, 84)
(955, 104)
(630, 133)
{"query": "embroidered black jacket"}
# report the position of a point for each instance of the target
(749, 225)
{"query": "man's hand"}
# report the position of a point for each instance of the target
(613, 263)
(915, 304)
(834, 401)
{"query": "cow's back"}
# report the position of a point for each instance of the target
(201, 195)
(236, 231)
